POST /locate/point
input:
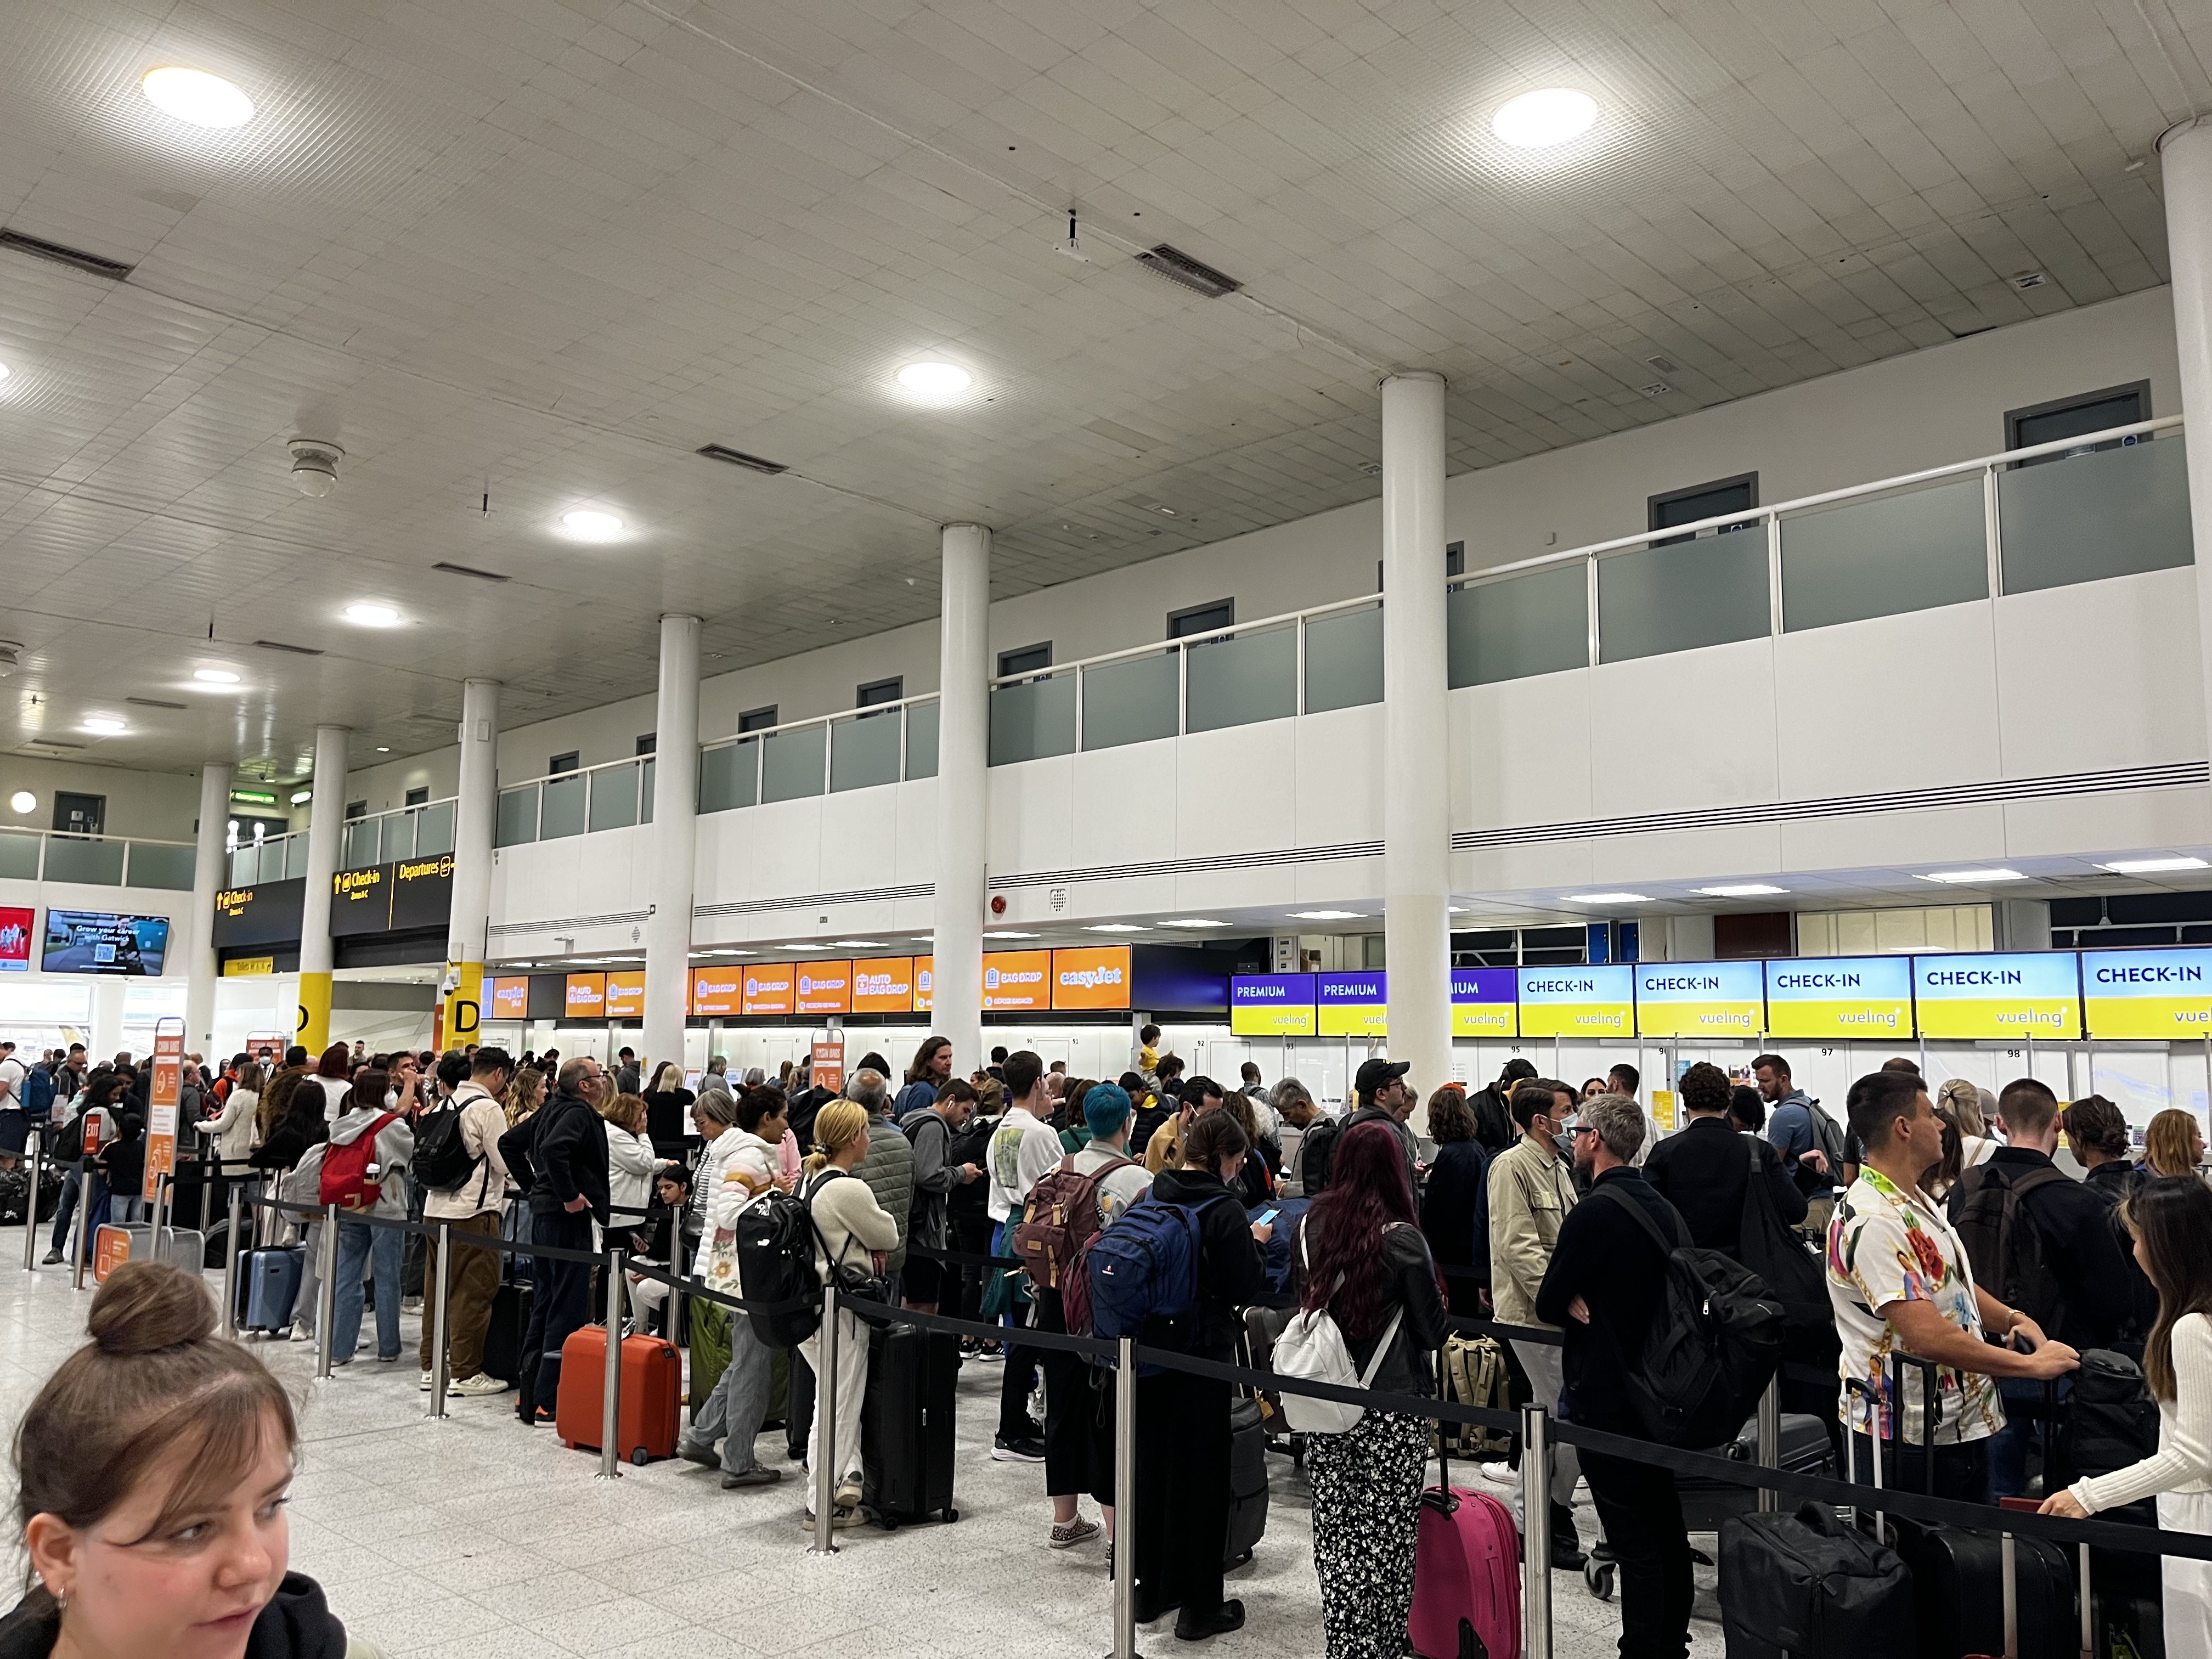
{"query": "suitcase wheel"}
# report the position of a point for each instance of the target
(951, 1515)
(887, 1523)
(638, 1457)
(1598, 1576)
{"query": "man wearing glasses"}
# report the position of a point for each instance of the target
(1531, 1190)
(559, 1155)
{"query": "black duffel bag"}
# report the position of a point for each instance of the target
(1806, 1586)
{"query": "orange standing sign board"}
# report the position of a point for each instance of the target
(829, 1067)
(110, 1249)
(161, 1103)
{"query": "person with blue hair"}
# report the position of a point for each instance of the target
(1078, 1446)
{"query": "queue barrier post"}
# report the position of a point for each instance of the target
(825, 1429)
(237, 1220)
(82, 1244)
(326, 1291)
(1535, 1531)
(438, 1360)
(1769, 1442)
(37, 1146)
(1122, 1541)
(610, 1393)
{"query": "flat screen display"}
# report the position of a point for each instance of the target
(101, 942)
(15, 939)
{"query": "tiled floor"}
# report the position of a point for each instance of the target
(478, 1539)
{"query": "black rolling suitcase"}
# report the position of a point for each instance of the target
(906, 1424)
(510, 1318)
(1806, 1450)
(1807, 1586)
(1248, 1481)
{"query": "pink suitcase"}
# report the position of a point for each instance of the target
(1466, 1578)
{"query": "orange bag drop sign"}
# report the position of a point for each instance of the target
(110, 1249)
(828, 1066)
(161, 1105)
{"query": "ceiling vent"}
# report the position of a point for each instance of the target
(1656, 389)
(2027, 279)
(1664, 365)
(1184, 272)
(114, 269)
(452, 570)
(53, 742)
(154, 702)
(738, 457)
(296, 650)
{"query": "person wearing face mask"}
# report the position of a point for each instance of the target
(152, 1470)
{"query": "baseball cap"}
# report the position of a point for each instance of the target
(1374, 1073)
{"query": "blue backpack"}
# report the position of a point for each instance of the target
(39, 1092)
(1144, 1276)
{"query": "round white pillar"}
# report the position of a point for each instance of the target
(2185, 161)
(312, 1026)
(675, 838)
(963, 791)
(1416, 730)
(196, 948)
(476, 810)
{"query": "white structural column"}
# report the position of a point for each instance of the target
(2185, 158)
(312, 1026)
(1416, 800)
(963, 791)
(675, 838)
(475, 811)
(210, 869)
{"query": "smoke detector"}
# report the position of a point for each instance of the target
(315, 466)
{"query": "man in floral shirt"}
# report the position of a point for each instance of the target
(1901, 1282)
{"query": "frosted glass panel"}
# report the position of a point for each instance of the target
(645, 790)
(71, 859)
(19, 855)
(433, 830)
(294, 856)
(729, 776)
(921, 740)
(1886, 556)
(1703, 592)
(1344, 659)
(153, 865)
(790, 763)
(1508, 630)
(1033, 719)
(561, 810)
(1131, 701)
(865, 752)
(2110, 513)
(363, 839)
(614, 797)
(1243, 679)
(517, 815)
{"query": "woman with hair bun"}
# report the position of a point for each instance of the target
(151, 1472)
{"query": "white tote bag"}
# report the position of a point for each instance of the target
(1311, 1350)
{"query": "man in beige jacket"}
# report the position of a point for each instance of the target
(1531, 1190)
(476, 1205)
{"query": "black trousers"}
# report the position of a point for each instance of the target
(562, 1302)
(1962, 1472)
(799, 1407)
(970, 1231)
(1642, 1518)
(1182, 1492)
(1079, 1431)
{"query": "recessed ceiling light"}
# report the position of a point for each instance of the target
(1742, 889)
(1973, 877)
(588, 525)
(1193, 921)
(194, 96)
(804, 947)
(301, 797)
(1535, 120)
(3, 371)
(860, 944)
(382, 749)
(367, 615)
(1607, 898)
(102, 723)
(23, 801)
(2151, 866)
(1009, 935)
(1113, 927)
(214, 677)
(923, 938)
(935, 379)
(1327, 916)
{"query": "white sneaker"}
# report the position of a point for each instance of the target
(477, 1384)
(1503, 1474)
(426, 1381)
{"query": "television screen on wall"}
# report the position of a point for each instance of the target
(101, 942)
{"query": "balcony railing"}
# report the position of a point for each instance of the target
(97, 860)
(404, 832)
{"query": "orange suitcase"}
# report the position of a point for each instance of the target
(652, 1375)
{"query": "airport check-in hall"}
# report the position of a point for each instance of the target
(1462, 749)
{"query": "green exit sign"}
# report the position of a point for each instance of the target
(253, 797)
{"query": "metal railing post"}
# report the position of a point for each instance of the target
(1123, 1541)
(822, 1442)
(1535, 1532)
(439, 1362)
(37, 1145)
(610, 1394)
(230, 1242)
(81, 1244)
(1769, 1442)
(326, 1292)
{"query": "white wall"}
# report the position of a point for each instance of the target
(159, 806)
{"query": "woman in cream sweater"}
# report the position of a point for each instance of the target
(2171, 1220)
(857, 1232)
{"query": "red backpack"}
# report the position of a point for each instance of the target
(1058, 1220)
(346, 1180)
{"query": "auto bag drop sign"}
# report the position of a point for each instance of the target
(1598, 1001)
(1840, 997)
(2014, 995)
(2147, 993)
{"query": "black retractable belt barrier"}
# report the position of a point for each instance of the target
(465, 1241)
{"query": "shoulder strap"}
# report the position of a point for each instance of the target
(2034, 1178)
(1642, 1216)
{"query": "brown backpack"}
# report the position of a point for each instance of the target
(1060, 1218)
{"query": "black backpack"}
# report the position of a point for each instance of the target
(1828, 1136)
(1715, 1339)
(1314, 1153)
(2004, 1244)
(775, 1263)
(2111, 1420)
(442, 1160)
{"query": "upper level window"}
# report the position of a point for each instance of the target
(1705, 501)
(2071, 417)
(356, 809)
(756, 720)
(1202, 619)
(647, 743)
(419, 797)
(876, 691)
(561, 764)
(1029, 659)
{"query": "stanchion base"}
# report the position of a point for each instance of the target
(604, 1475)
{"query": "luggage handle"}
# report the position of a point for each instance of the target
(1440, 1498)
(2086, 1605)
